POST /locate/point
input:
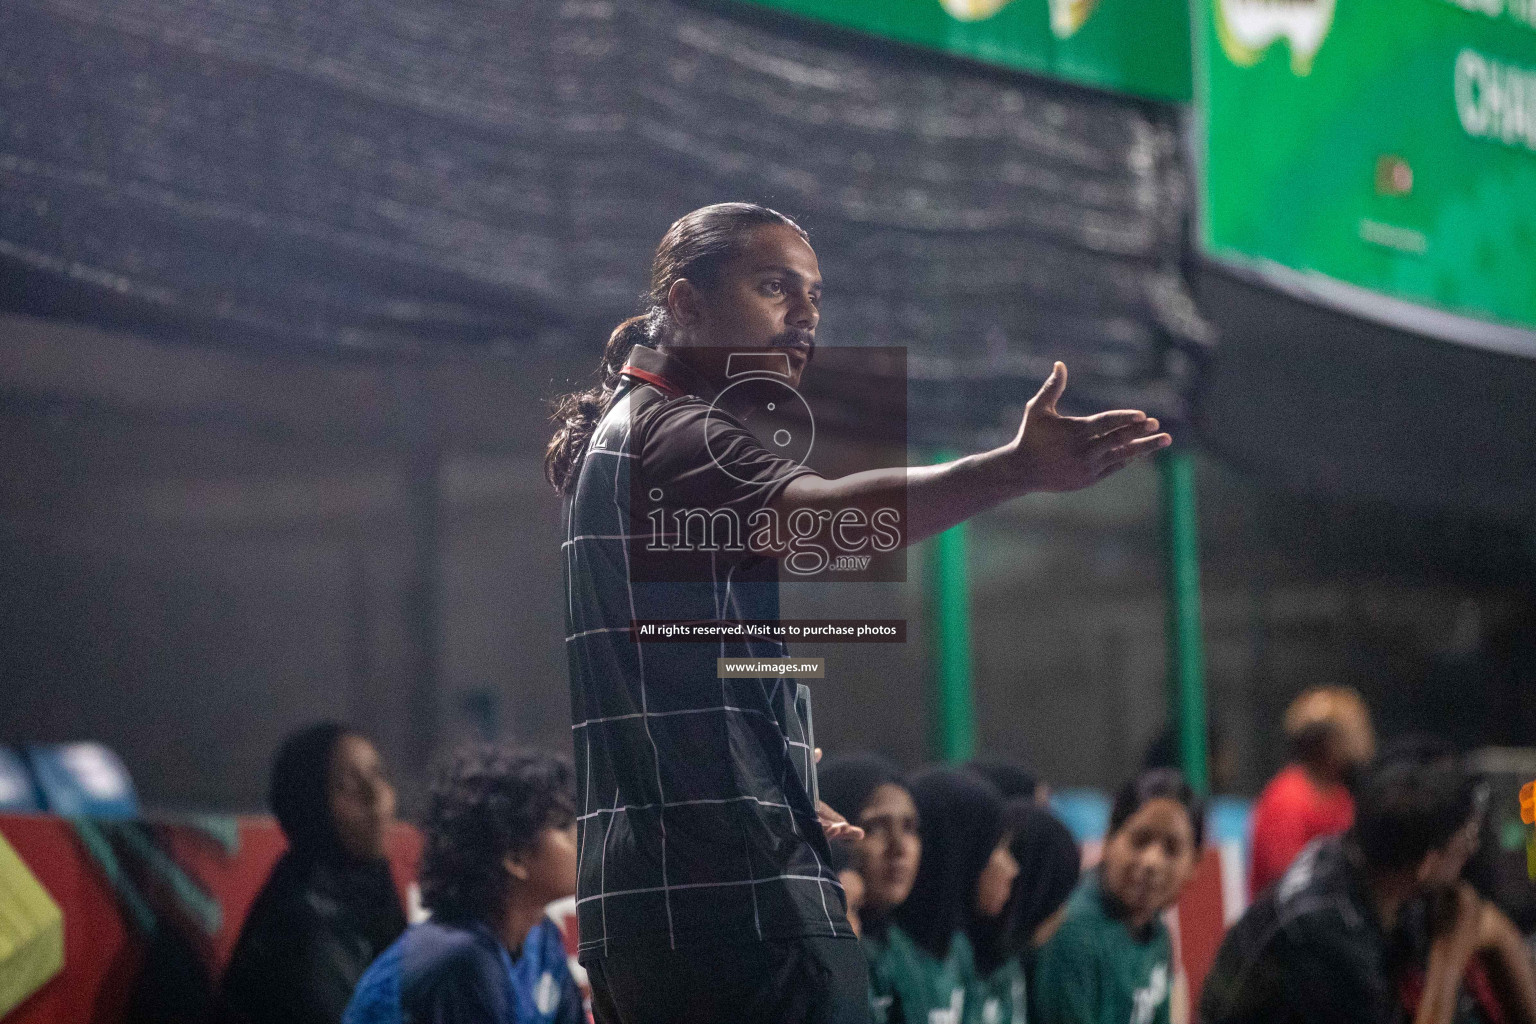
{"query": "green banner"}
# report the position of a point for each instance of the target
(1376, 147)
(1139, 47)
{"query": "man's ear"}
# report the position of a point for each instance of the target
(515, 867)
(683, 302)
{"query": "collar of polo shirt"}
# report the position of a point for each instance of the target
(671, 375)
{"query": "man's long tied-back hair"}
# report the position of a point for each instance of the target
(697, 246)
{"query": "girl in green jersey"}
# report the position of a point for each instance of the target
(1111, 961)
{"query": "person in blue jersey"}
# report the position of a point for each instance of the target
(500, 846)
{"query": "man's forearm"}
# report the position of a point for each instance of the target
(1448, 957)
(934, 497)
(1514, 978)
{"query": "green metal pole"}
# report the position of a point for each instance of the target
(1185, 638)
(950, 601)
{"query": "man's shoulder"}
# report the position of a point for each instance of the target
(1318, 882)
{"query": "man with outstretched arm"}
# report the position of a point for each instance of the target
(705, 892)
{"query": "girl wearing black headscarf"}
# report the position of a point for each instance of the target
(955, 922)
(330, 905)
(1050, 862)
(868, 791)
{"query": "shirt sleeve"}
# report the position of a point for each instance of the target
(1066, 982)
(699, 457)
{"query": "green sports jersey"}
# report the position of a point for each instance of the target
(1093, 971)
(909, 986)
(998, 998)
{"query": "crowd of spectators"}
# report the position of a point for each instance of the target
(969, 896)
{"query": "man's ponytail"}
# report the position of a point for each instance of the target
(576, 415)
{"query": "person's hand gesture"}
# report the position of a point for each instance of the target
(1053, 452)
(835, 825)
(832, 823)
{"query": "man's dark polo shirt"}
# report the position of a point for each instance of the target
(1309, 951)
(696, 822)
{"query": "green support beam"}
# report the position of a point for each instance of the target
(1185, 634)
(949, 600)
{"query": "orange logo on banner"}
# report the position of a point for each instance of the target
(1528, 815)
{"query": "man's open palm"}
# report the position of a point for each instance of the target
(1053, 452)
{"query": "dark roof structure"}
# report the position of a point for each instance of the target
(384, 176)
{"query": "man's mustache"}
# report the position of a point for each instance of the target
(795, 337)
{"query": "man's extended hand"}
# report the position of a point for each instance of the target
(1052, 452)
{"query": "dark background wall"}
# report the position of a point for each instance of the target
(203, 549)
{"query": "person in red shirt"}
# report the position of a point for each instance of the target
(1330, 736)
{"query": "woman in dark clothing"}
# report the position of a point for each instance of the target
(330, 906)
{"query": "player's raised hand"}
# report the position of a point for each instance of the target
(1052, 452)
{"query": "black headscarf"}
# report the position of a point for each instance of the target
(298, 794)
(960, 819)
(1049, 864)
(1011, 778)
(847, 781)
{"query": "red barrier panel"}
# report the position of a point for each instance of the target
(1201, 923)
(102, 955)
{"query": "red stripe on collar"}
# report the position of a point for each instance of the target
(653, 378)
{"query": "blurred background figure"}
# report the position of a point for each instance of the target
(500, 847)
(950, 949)
(867, 790)
(1329, 734)
(1050, 864)
(1012, 779)
(330, 905)
(1376, 925)
(852, 882)
(1111, 960)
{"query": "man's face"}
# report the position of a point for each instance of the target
(768, 297)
